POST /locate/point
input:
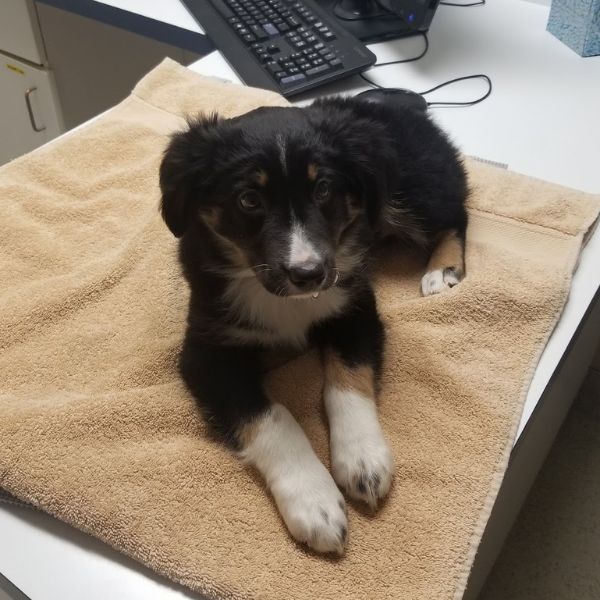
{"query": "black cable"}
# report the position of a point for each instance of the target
(479, 3)
(437, 87)
(470, 103)
(398, 62)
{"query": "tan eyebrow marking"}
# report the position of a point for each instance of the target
(313, 171)
(262, 178)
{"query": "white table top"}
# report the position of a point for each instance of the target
(541, 120)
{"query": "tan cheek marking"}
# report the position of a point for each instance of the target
(360, 379)
(353, 212)
(211, 216)
(354, 207)
(262, 178)
(313, 171)
(448, 253)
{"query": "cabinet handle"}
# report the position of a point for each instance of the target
(28, 93)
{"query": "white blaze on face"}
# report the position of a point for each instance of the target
(301, 248)
(282, 152)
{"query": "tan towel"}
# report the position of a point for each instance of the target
(97, 429)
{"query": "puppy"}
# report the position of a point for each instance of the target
(277, 212)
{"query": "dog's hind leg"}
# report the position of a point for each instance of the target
(446, 265)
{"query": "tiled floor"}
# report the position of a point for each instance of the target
(553, 551)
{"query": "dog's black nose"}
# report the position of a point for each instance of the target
(306, 274)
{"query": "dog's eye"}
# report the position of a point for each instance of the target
(249, 201)
(322, 190)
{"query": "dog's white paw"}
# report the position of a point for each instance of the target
(306, 495)
(364, 468)
(313, 508)
(434, 282)
(361, 461)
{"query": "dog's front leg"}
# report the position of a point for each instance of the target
(227, 384)
(352, 345)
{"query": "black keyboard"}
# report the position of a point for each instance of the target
(283, 45)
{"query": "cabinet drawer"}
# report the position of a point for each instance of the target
(29, 111)
(19, 30)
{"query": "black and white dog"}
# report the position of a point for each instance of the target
(278, 211)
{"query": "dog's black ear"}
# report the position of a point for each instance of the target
(186, 166)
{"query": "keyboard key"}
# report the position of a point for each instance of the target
(273, 49)
(292, 79)
(271, 29)
(336, 62)
(259, 32)
(317, 70)
(249, 38)
(274, 68)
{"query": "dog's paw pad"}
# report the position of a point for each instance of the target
(365, 471)
(315, 514)
(434, 282)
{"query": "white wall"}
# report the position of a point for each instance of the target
(96, 65)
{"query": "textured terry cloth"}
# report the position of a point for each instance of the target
(97, 429)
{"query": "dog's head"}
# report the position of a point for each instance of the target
(281, 191)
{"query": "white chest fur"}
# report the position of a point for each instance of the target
(276, 320)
